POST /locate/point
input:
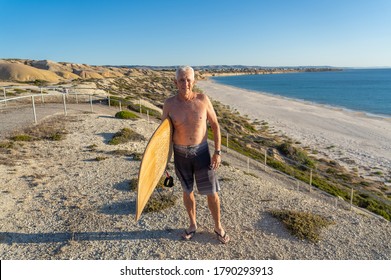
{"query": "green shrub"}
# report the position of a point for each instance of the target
(144, 109)
(126, 115)
(115, 101)
(22, 137)
(329, 187)
(303, 225)
(137, 156)
(40, 83)
(6, 145)
(133, 184)
(56, 136)
(19, 91)
(160, 202)
(295, 154)
(100, 158)
(125, 135)
(365, 201)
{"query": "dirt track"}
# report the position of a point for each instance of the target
(12, 118)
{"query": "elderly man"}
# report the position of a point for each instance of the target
(189, 112)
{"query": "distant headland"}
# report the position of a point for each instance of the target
(28, 70)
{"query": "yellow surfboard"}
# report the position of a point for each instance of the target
(154, 162)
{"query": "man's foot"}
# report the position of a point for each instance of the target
(188, 234)
(223, 238)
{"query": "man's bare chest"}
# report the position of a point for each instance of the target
(191, 113)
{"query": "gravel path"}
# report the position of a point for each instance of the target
(12, 118)
(59, 202)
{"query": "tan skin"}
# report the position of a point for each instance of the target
(189, 112)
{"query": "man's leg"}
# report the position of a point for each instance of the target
(214, 207)
(190, 205)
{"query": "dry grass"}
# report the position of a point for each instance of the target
(14, 149)
(162, 198)
(53, 129)
(303, 225)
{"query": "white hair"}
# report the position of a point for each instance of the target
(184, 69)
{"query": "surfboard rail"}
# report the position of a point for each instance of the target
(153, 164)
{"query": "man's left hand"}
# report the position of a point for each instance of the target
(216, 161)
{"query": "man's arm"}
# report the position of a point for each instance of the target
(214, 124)
(165, 110)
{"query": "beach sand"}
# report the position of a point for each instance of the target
(354, 139)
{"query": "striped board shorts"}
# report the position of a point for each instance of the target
(194, 162)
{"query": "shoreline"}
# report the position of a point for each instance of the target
(356, 140)
(314, 103)
(327, 106)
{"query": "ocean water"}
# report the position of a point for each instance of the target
(364, 90)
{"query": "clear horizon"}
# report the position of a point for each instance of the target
(278, 33)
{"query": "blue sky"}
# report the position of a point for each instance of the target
(199, 32)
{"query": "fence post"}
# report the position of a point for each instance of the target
(5, 97)
(310, 178)
(42, 98)
(66, 95)
(265, 158)
(248, 165)
(120, 106)
(140, 105)
(108, 100)
(227, 142)
(65, 105)
(351, 199)
(34, 113)
(91, 103)
(148, 115)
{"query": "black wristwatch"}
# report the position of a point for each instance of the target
(218, 152)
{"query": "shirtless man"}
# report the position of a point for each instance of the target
(189, 112)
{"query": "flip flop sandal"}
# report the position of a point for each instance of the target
(223, 239)
(188, 235)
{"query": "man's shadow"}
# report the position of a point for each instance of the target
(58, 237)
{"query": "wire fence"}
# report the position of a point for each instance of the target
(54, 100)
(45, 97)
(262, 167)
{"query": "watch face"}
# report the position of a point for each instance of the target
(218, 152)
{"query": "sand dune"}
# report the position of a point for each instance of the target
(23, 70)
(67, 75)
(24, 73)
(50, 65)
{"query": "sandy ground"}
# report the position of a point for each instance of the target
(59, 202)
(352, 138)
